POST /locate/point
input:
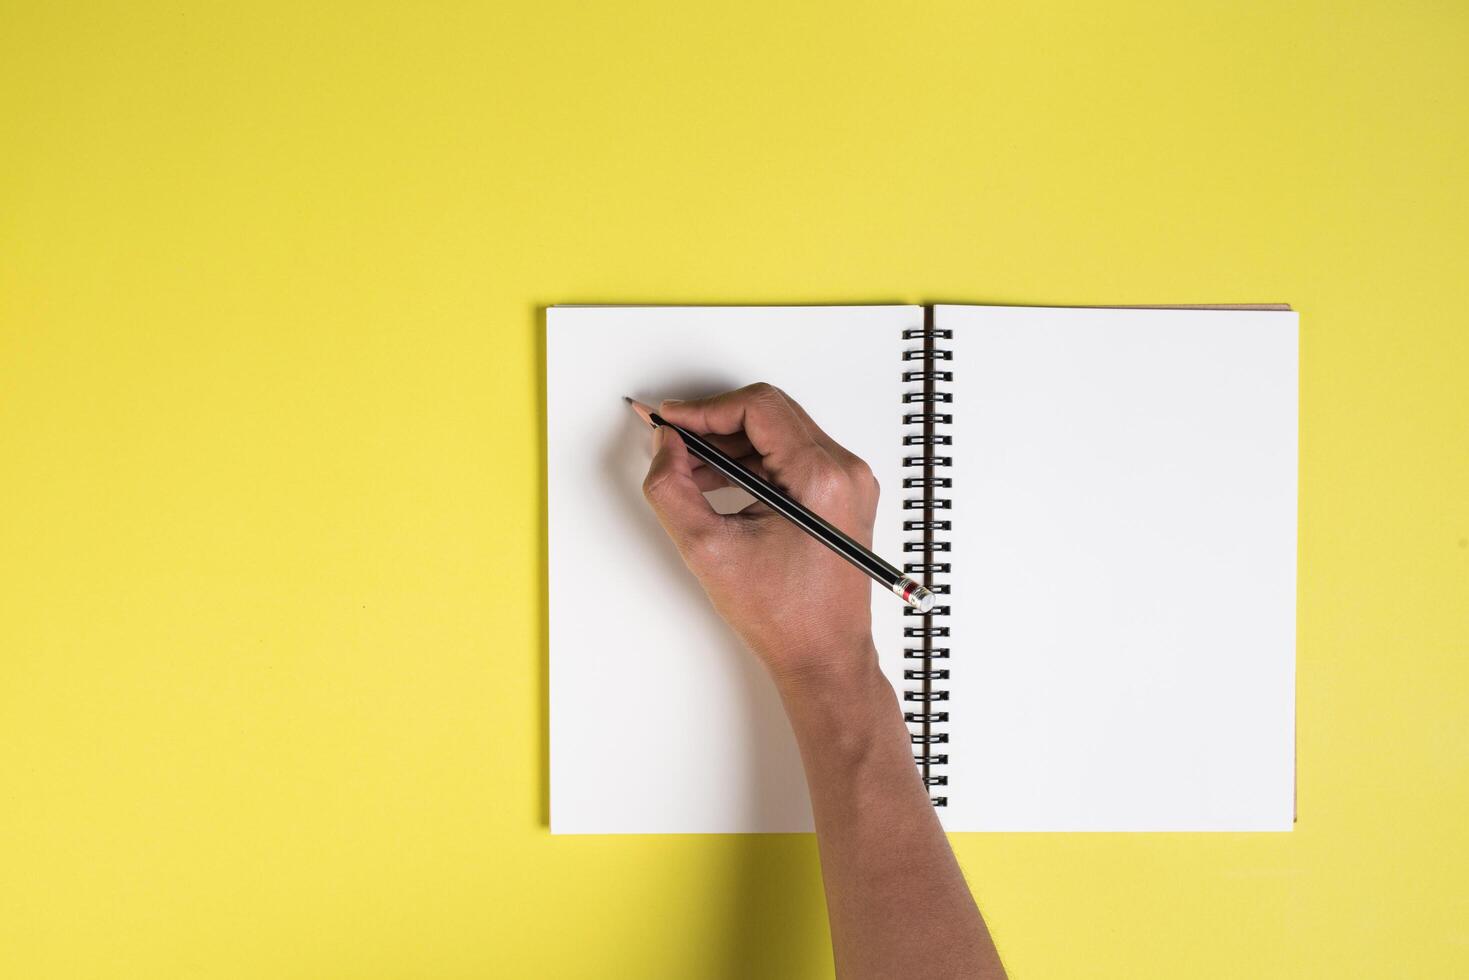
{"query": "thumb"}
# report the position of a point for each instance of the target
(672, 492)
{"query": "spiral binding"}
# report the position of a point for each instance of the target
(925, 419)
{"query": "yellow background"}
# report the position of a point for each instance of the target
(272, 690)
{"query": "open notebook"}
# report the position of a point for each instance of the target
(1116, 492)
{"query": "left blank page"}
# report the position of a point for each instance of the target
(660, 721)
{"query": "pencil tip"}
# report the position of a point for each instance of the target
(645, 412)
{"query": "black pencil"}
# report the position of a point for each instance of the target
(889, 576)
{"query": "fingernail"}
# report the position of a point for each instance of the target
(658, 435)
(672, 401)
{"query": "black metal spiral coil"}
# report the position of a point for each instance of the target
(926, 422)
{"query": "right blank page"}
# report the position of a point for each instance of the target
(1124, 560)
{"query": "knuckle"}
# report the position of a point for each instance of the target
(829, 479)
(862, 476)
(826, 481)
(765, 393)
(702, 546)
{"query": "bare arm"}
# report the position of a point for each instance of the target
(897, 902)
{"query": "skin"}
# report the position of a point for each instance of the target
(897, 902)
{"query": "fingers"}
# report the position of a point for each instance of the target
(794, 450)
(674, 494)
(708, 478)
(842, 454)
(761, 411)
(736, 446)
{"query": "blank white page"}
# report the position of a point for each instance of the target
(660, 721)
(1124, 552)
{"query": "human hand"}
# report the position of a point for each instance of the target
(795, 603)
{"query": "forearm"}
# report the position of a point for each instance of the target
(896, 899)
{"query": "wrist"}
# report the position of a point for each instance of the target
(838, 705)
(831, 670)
